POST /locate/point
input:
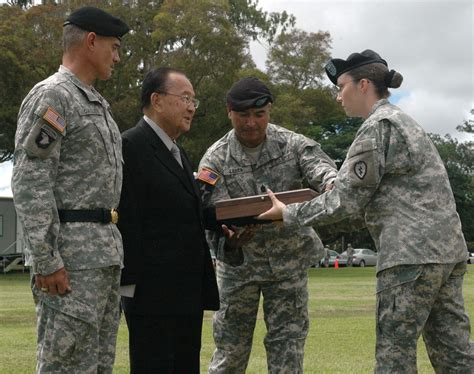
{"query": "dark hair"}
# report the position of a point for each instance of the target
(156, 80)
(380, 77)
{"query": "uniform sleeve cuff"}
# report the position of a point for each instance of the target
(49, 265)
(289, 216)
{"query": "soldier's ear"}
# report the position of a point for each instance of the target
(364, 84)
(91, 40)
(229, 110)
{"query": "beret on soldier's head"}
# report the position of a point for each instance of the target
(336, 67)
(97, 20)
(248, 93)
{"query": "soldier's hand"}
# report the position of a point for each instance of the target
(236, 238)
(329, 187)
(275, 213)
(55, 283)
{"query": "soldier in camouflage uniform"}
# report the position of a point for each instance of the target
(67, 177)
(394, 174)
(261, 260)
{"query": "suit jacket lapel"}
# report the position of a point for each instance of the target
(164, 155)
(189, 173)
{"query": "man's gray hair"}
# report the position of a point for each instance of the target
(72, 36)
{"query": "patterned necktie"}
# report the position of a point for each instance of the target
(176, 154)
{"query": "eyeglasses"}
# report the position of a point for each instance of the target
(184, 98)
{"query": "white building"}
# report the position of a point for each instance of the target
(11, 238)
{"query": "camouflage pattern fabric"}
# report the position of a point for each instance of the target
(286, 160)
(285, 310)
(393, 173)
(68, 155)
(272, 258)
(422, 299)
(77, 332)
(80, 168)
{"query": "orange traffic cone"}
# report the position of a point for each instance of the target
(336, 264)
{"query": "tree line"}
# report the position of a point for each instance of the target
(209, 40)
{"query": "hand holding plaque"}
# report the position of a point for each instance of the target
(275, 213)
(244, 210)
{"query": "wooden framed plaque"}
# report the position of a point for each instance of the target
(242, 210)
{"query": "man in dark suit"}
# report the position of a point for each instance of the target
(168, 279)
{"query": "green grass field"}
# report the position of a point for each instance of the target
(341, 337)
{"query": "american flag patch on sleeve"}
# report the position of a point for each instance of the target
(208, 176)
(55, 120)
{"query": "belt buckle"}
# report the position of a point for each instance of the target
(114, 216)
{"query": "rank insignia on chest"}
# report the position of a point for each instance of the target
(55, 120)
(208, 176)
(360, 169)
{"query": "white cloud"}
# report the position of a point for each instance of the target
(434, 112)
(429, 42)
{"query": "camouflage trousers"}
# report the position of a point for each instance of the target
(422, 299)
(285, 310)
(77, 332)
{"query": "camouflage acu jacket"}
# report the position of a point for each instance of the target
(394, 175)
(286, 160)
(68, 155)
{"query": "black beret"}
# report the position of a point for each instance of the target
(97, 20)
(336, 66)
(248, 93)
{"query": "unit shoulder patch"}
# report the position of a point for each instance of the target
(46, 133)
(360, 169)
(45, 137)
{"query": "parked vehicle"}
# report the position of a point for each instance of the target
(470, 260)
(342, 260)
(364, 257)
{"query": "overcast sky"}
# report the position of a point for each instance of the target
(429, 42)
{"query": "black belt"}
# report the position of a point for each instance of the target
(85, 215)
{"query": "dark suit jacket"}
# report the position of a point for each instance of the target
(166, 253)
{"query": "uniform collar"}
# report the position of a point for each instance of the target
(377, 105)
(89, 91)
(270, 148)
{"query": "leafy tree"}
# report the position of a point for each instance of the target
(292, 110)
(208, 39)
(297, 58)
(468, 125)
(458, 159)
(29, 45)
(295, 64)
(253, 23)
(137, 56)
